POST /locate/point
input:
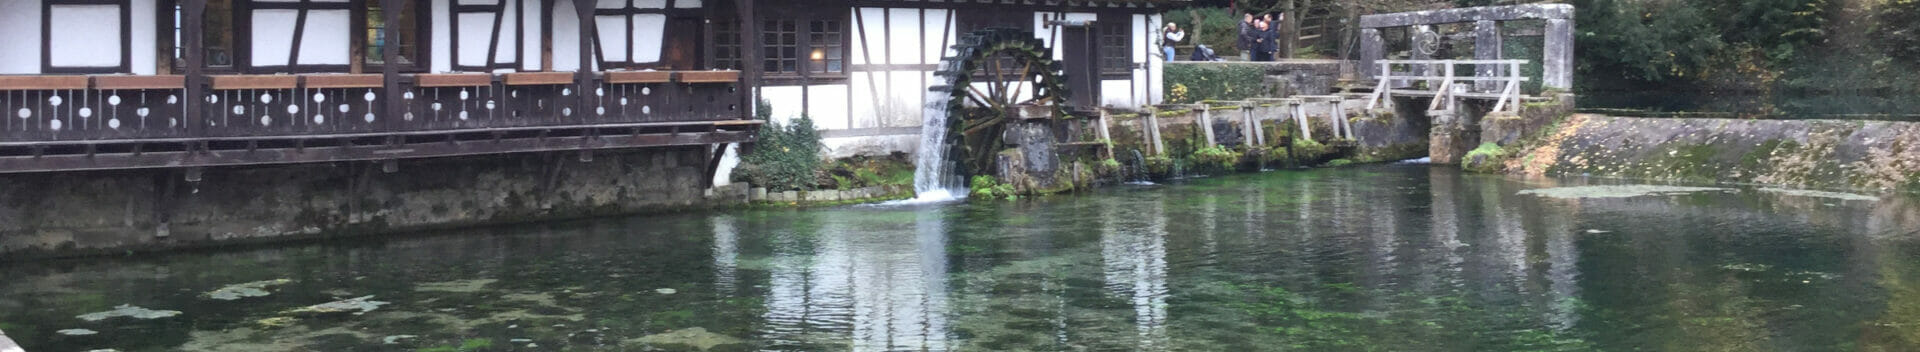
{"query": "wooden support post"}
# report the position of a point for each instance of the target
(392, 106)
(1206, 124)
(583, 78)
(193, 14)
(1105, 135)
(1152, 132)
(750, 57)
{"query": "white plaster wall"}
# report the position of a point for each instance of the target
(84, 36)
(939, 30)
(612, 42)
(1155, 81)
(785, 101)
(509, 48)
(476, 37)
(145, 40)
(324, 40)
(1116, 92)
(872, 47)
(566, 38)
(441, 17)
(532, 24)
(827, 105)
(19, 36)
(648, 31)
(903, 36)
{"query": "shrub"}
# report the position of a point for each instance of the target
(787, 157)
(1214, 81)
(1215, 159)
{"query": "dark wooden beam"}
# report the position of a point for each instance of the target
(751, 60)
(193, 12)
(583, 78)
(390, 103)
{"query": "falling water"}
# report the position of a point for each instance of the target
(934, 178)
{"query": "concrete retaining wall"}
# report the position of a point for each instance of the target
(1866, 156)
(59, 214)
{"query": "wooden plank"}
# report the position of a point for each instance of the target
(110, 82)
(230, 82)
(709, 76)
(42, 82)
(453, 80)
(343, 81)
(539, 78)
(620, 77)
(738, 123)
(321, 154)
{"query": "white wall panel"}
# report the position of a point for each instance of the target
(324, 41)
(827, 105)
(648, 32)
(443, 36)
(1116, 92)
(785, 101)
(566, 37)
(687, 4)
(272, 36)
(940, 29)
(532, 23)
(650, 4)
(144, 38)
(863, 86)
(20, 44)
(509, 48)
(613, 43)
(902, 35)
(872, 48)
(85, 36)
(904, 100)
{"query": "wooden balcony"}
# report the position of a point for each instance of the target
(62, 123)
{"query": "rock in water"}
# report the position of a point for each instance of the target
(251, 289)
(7, 345)
(77, 332)
(355, 305)
(695, 337)
(666, 291)
(127, 310)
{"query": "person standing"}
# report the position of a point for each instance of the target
(1272, 35)
(1246, 38)
(1172, 35)
(1262, 44)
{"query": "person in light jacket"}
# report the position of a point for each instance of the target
(1170, 36)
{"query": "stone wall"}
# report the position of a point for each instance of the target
(60, 214)
(1865, 156)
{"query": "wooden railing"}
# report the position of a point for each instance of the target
(133, 114)
(1446, 86)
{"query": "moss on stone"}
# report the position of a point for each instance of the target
(1488, 157)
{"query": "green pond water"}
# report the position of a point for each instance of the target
(1373, 258)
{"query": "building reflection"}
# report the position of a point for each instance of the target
(883, 284)
(1133, 252)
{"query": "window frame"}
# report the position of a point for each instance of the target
(46, 38)
(1121, 30)
(423, 32)
(803, 15)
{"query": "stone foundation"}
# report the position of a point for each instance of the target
(64, 214)
(1867, 156)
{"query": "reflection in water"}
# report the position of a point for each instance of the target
(1367, 258)
(1134, 253)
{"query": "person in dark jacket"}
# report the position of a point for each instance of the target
(1246, 38)
(1262, 41)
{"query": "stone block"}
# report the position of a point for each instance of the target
(758, 194)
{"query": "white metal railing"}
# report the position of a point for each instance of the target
(1443, 86)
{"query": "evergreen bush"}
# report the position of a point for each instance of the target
(787, 157)
(1213, 81)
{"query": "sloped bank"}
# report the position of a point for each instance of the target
(1865, 156)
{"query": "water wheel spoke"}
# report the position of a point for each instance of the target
(985, 101)
(1023, 76)
(982, 125)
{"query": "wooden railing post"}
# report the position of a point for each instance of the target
(193, 14)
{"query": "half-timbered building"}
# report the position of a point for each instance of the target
(112, 84)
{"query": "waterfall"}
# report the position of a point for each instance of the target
(934, 177)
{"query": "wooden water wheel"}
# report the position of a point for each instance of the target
(993, 74)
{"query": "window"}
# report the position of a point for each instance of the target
(407, 42)
(216, 35)
(727, 49)
(827, 41)
(1116, 48)
(782, 40)
(86, 36)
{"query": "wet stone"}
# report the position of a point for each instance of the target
(129, 311)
